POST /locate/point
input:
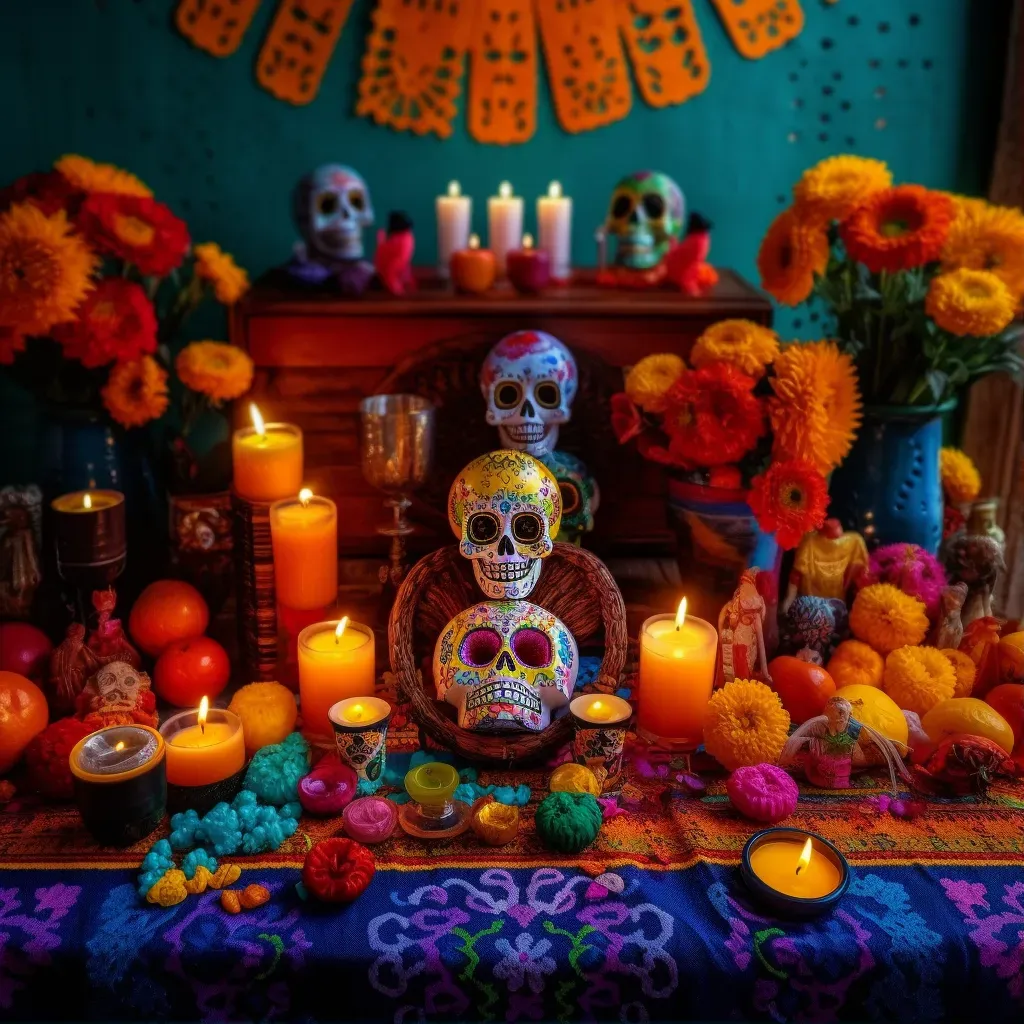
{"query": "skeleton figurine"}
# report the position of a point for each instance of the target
(505, 509)
(331, 208)
(645, 215)
(117, 694)
(505, 665)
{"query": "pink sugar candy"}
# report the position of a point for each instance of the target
(370, 819)
(762, 792)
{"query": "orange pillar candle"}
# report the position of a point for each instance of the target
(473, 269)
(304, 535)
(204, 746)
(677, 671)
(267, 459)
(336, 660)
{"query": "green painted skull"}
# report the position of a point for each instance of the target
(646, 216)
(579, 492)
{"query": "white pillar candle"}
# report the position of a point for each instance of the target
(454, 213)
(504, 224)
(554, 220)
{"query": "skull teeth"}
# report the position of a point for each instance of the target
(507, 572)
(527, 432)
(504, 691)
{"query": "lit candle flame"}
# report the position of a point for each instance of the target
(474, 241)
(204, 710)
(504, 190)
(454, 188)
(357, 712)
(257, 419)
(305, 495)
(119, 745)
(681, 614)
(596, 706)
(527, 241)
(805, 856)
(555, 190)
(87, 501)
(342, 626)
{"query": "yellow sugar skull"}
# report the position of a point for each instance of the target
(505, 510)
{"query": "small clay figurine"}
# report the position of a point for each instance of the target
(838, 744)
(976, 560)
(71, 664)
(828, 562)
(393, 258)
(815, 622)
(20, 573)
(331, 207)
(949, 630)
(117, 694)
(686, 262)
(741, 629)
(108, 641)
(984, 520)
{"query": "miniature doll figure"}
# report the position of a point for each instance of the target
(828, 563)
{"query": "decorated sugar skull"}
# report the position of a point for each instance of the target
(529, 381)
(646, 216)
(331, 207)
(505, 509)
(505, 665)
(579, 494)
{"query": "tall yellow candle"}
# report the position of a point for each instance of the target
(267, 459)
(304, 535)
(677, 671)
(795, 870)
(336, 660)
(203, 746)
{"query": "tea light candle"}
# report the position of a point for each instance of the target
(677, 671)
(554, 222)
(370, 819)
(89, 527)
(529, 269)
(454, 215)
(504, 224)
(362, 711)
(796, 873)
(336, 660)
(267, 459)
(431, 812)
(473, 269)
(599, 709)
(304, 535)
(204, 746)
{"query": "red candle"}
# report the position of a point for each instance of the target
(529, 269)
(473, 269)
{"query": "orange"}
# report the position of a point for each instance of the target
(876, 708)
(970, 716)
(167, 610)
(189, 670)
(267, 711)
(23, 715)
(1011, 658)
(802, 687)
(1008, 700)
(854, 661)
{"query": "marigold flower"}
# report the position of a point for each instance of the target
(988, 237)
(115, 323)
(649, 381)
(230, 282)
(136, 392)
(886, 618)
(918, 678)
(856, 663)
(137, 230)
(89, 176)
(961, 480)
(221, 372)
(973, 303)
(834, 187)
(792, 252)
(745, 724)
(964, 669)
(748, 346)
(789, 499)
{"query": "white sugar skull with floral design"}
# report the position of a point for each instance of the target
(505, 509)
(505, 665)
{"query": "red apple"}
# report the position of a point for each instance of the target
(24, 649)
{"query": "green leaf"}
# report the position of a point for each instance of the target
(937, 383)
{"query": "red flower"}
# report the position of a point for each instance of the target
(626, 421)
(48, 191)
(712, 416)
(654, 452)
(789, 500)
(138, 230)
(115, 322)
(727, 477)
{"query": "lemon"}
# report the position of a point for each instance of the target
(873, 707)
(971, 716)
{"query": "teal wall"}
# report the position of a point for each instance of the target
(916, 82)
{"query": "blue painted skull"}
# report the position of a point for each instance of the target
(331, 207)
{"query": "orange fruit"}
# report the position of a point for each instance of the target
(1008, 700)
(1011, 658)
(267, 711)
(23, 715)
(189, 670)
(855, 662)
(167, 610)
(970, 716)
(874, 707)
(802, 687)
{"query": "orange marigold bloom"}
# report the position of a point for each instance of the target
(834, 187)
(230, 282)
(886, 618)
(748, 346)
(969, 303)
(136, 392)
(792, 252)
(899, 228)
(221, 372)
(745, 724)
(89, 176)
(918, 678)
(789, 500)
(988, 237)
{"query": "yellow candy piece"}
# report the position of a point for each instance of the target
(169, 890)
(199, 881)
(574, 778)
(493, 823)
(226, 874)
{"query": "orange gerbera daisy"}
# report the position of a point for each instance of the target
(136, 392)
(792, 252)
(116, 323)
(789, 500)
(136, 229)
(899, 228)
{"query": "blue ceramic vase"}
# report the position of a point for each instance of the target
(889, 488)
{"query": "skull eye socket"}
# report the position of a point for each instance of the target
(357, 200)
(548, 394)
(483, 527)
(532, 647)
(527, 527)
(327, 203)
(654, 205)
(480, 647)
(508, 394)
(570, 497)
(622, 206)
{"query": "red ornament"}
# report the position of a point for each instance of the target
(328, 788)
(25, 650)
(46, 758)
(337, 870)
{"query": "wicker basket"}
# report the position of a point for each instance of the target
(574, 584)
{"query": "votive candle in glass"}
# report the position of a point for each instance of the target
(89, 527)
